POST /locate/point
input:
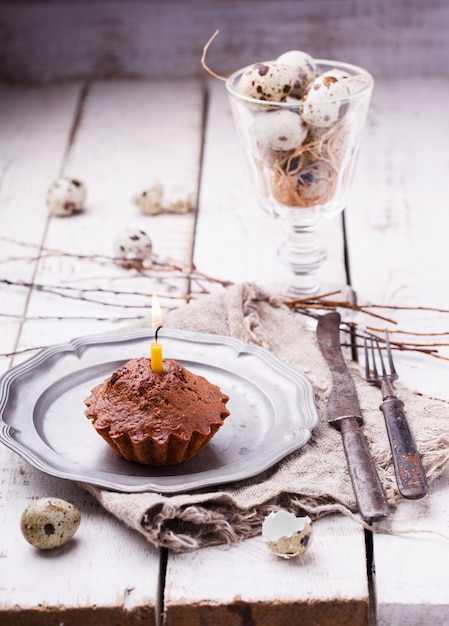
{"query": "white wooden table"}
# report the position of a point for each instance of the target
(117, 137)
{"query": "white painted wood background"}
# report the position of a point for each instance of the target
(127, 132)
(86, 39)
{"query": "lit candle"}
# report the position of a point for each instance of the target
(156, 348)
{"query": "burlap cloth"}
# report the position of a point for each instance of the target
(315, 478)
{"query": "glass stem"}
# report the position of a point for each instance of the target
(303, 254)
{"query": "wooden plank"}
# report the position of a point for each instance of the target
(107, 575)
(247, 584)
(235, 238)
(97, 39)
(401, 227)
(411, 568)
(395, 218)
(35, 125)
(130, 134)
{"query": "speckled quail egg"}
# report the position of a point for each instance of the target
(336, 72)
(325, 100)
(279, 129)
(354, 82)
(303, 68)
(133, 246)
(180, 199)
(66, 196)
(269, 81)
(48, 523)
(287, 535)
(149, 201)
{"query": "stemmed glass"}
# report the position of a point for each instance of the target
(302, 159)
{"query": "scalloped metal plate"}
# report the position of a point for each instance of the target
(42, 412)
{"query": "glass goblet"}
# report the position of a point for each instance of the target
(302, 159)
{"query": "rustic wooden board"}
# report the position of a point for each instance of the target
(396, 221)
(235, 239)
(247, 582)
(411, 569)
(35, 127)
(391, 195)
(401, 225)
(132, 38)
(126, 136)
(105, 566)
(129, 135)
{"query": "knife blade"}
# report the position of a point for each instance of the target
(343, 412)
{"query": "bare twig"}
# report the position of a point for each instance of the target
(168, 272)
(203, 58)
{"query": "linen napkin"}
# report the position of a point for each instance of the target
(314, 480)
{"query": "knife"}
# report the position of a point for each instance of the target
(343, 412)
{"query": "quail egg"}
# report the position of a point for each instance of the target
(325, 100)
(48, 523)
(303, 68)
(269, 81)
(149, 201)
(287, 535)
(66, 196)
(336, 73)
(279, 129)
(354, 82)
(133, 246)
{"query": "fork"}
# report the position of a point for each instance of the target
(410, 476)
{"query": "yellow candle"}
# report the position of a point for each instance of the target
(156, 358)
(156, 348)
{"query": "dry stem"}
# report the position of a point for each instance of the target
(203, 58)
(166, 271)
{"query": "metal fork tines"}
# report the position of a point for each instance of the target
(410, 475)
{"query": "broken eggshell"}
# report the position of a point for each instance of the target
(49, 523)
(180, 199)
(132, 246)
(287, 535)
(66, 196)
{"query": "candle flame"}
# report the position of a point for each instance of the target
(156, 316)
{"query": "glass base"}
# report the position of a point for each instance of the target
(301, 286)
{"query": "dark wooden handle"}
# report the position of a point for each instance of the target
(368, 490)
(410, 475)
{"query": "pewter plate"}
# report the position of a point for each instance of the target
(42, 411)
